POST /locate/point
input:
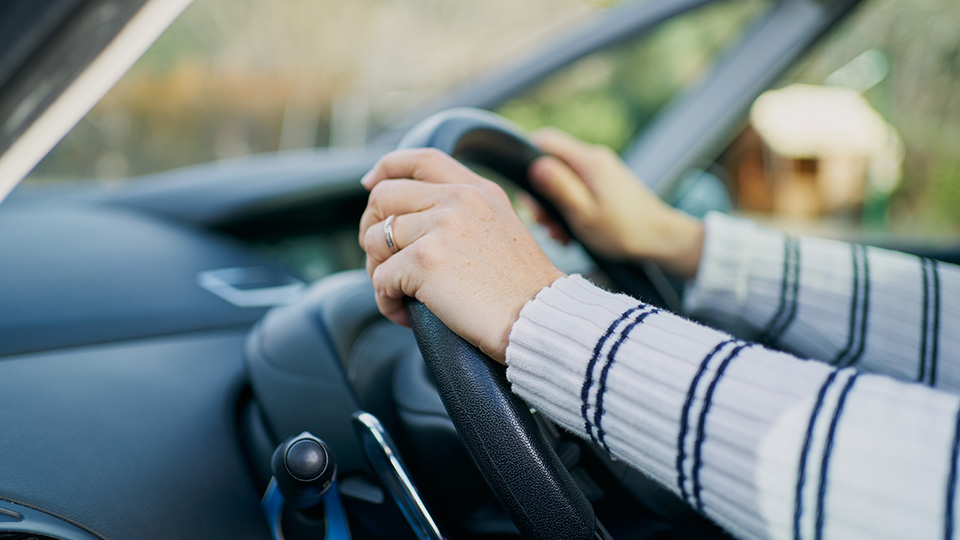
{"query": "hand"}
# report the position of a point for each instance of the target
(609, 209)
(462, 249)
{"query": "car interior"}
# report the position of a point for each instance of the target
(161, 338)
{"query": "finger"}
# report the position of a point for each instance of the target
(539, 215)
(392, 281)
(556, 181)
(424, 164)
(393, 309)
(556, 231)
(397, 197)
(580, 156)
(559, 234)
(406, 229)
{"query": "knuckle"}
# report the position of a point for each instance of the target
(444, 219)
(416, 254)
(381, 197)
(378, 280)
(495, 190)
(430, 154)
(474, 194)
(376, 195)
(369, 237)
(379, 191)
(487, 186)
(423, 254)
(460, 193)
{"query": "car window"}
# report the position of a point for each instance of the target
(609, 96)
(862, 138)
(235, 77)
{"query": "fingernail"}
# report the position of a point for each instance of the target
(535, 167)
(367, 179)
(540, 169)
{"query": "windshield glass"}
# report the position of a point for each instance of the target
(231, 78)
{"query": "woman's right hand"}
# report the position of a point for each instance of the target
(609, 209)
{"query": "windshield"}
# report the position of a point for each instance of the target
(230, 78)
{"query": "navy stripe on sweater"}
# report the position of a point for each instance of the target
(805, 450)
(789, 295)
(701, 427)
(828, 449)
(588, 378)
(611, 358)
(685, 416)
(859, 309)
(781, 317)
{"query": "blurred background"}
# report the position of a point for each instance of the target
(234, 77)
(863, 135)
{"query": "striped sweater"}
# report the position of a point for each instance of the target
(766, 443)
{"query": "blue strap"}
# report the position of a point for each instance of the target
(334, 516)
(272, 504)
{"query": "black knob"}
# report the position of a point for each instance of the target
(304, 468)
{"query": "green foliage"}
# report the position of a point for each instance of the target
(609, 96)
(942, 196)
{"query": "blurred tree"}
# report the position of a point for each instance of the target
(609, 96)
(918, 95)
(231, 77)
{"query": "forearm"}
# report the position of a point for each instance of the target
(735, 429)
(847, 305)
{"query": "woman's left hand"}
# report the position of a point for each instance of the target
(459, 247)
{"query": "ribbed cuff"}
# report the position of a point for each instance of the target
(739, 260)
(556, 334)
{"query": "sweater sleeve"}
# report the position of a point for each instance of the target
(766, 444)
(848, 305)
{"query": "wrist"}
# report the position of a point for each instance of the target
(550, 276)
(680, 244)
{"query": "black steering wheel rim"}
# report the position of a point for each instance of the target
(496, 426)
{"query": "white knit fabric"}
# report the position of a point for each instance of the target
(766, 444)
(741, 282)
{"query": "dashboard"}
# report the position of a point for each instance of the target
(123, 376)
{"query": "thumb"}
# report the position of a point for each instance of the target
(560, 185)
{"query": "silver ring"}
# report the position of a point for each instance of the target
(388, 233)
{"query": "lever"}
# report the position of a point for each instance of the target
(304, 471)
(385, 459)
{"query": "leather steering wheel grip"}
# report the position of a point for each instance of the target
(479, 136)
(496, 426)
(501, 435)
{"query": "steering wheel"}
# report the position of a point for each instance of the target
(496, 426)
